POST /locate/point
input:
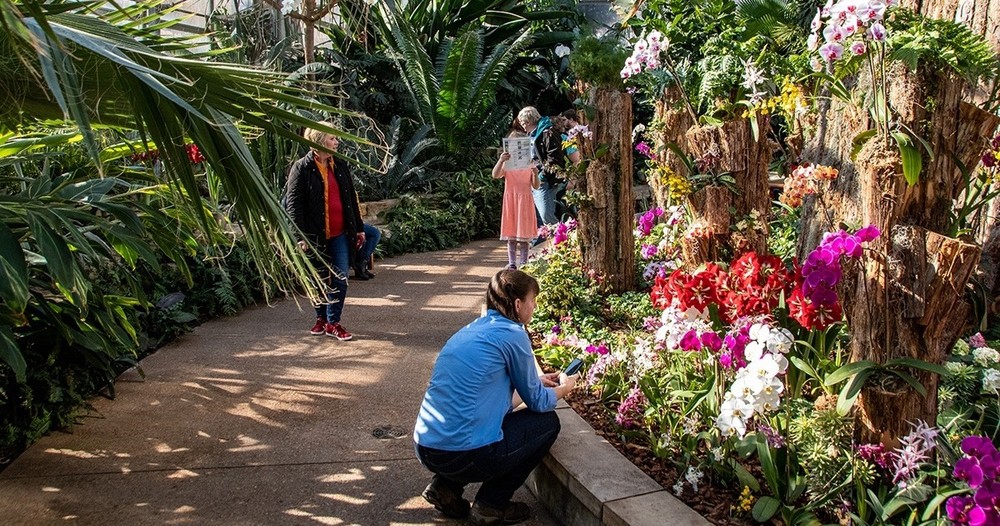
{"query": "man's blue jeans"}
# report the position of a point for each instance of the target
(503, 466)
(545, 202)
(372, 237)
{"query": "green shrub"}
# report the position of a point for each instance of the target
(463, 207)
(598, 62)
(62, 376)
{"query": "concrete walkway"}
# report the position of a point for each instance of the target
(250, 420)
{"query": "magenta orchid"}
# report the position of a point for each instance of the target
(979, 470)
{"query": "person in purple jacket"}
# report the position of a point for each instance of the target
(470, 427)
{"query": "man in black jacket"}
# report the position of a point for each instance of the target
(550, 156)
(322, 202)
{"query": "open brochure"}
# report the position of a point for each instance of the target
(520, 152)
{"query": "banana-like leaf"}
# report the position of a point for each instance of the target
(910, 155)
(58, 257)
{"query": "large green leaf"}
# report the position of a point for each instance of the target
(848, 370)
(910, 155)
(13, 272)
(11, 354)
(765, 508)
(58, 257)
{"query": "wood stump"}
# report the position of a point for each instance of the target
(607, 219)
(711, 206)
(674, 122)
(905, 305)
(747, 161)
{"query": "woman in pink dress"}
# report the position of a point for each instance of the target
(517, 220)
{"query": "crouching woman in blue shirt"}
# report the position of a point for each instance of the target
(468, 429)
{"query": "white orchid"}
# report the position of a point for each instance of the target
(752, 75)
(769, 397)
(780, 341)
(733, 416)
(562, 50)
(759, 332)
(754, 351)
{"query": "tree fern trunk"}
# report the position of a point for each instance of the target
(607, 218)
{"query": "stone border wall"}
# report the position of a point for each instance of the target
(585, 481)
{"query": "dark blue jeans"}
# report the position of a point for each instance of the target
(337, 255)
(502, 466)
(372, 237)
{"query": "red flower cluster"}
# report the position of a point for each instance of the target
(193, 153)
(810, 315)
(753, 286)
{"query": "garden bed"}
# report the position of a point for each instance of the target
(712, 501)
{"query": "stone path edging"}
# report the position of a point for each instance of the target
(585, 481)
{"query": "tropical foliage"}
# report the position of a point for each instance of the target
(456, 94)
(122, 151)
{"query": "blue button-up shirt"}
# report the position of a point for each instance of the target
(473, 382)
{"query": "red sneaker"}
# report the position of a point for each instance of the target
(338, 331)
(319, 328)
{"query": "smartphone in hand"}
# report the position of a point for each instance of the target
(573, 367)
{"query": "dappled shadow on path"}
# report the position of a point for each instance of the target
(251, 420)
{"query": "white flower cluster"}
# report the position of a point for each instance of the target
(753, 81)
(844, 20)
(562, 50)
(646, 53)
(757, 388)
(289, 6)
(991, 380)
(579, 129)
(644, 357)
(985, 357)
(677, 323)
(693, 477)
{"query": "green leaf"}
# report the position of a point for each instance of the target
(859, 141)
(765, 508)
(851, 391)
(56, 252)
(768, 465)
(912, 161)
(707, 120)
(849, 370)
(805, 367)
(912, 381)
(13, 271)
(919, 364)
(744, 476)
(938, 500)
(11, 354)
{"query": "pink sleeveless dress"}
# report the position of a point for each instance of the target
(517, 220)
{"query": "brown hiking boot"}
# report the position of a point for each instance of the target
(513, 513)
(446, 501)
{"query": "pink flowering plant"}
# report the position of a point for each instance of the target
(736, 372)
(657, 235)
(876, 35)
(706, 54)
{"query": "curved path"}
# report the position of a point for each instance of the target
(250, 420)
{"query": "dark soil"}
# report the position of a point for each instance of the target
(712, 500)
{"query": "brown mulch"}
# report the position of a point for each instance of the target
(712, 501)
